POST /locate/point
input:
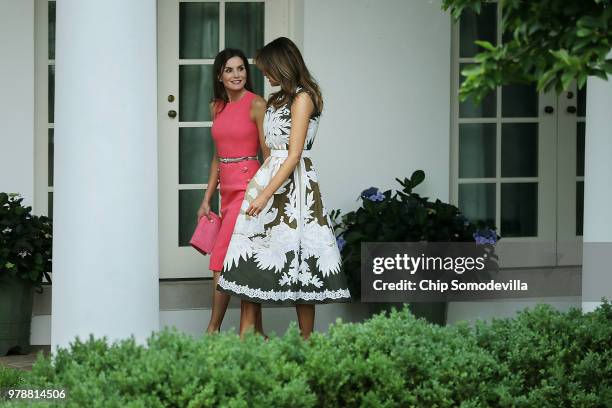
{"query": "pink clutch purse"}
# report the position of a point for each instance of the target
(205, 234)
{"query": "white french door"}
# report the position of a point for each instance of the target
(190, 34)
(518, 158)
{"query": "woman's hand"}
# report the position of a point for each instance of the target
(257, 205)
(204, 210)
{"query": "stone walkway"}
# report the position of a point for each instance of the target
(24, 361)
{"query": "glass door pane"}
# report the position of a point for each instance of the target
(244, 22)
(474, 27)
(198, 30)
(477, 150)
(195, 92)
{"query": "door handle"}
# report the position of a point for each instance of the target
(571, 109)
(172, 114)
(549, 109)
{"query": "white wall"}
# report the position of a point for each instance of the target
(17, 98)
(597, 238)
(384, 69)
(194, 321)
(488, 310)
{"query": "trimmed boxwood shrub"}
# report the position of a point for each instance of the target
(541, 358)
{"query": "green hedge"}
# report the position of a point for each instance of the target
(541, 358)
(10, 377)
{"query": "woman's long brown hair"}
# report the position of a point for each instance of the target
(282, 61)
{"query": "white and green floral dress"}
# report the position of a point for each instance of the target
(288, 253)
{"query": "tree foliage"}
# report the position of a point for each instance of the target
(547, 42)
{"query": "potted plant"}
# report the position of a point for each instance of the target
(25, 257)
(405, 216)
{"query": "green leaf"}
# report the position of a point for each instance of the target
(545, 80)
(417, 178)
(421, 215)
(562, 55)
(353, 236)
(486, 45)
(582, 78)
(581, 43)
(607, 66)
(567, 78)
(600, 74)
(583, 32)
(590, 21)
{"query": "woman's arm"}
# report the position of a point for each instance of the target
(213, 179)
(301, 109)
(258, 110)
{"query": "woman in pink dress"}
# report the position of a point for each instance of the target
(237, 132)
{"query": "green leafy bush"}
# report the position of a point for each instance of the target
(561, 359)
(25, 241)
(542, 358)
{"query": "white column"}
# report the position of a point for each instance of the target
(105, 247)
(597, 232)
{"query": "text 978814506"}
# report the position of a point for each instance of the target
(33, 394)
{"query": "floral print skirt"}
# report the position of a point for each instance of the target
(288, 253)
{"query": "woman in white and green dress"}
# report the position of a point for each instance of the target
(283, 249)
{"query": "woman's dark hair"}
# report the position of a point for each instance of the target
(220, 97)
(282, 61)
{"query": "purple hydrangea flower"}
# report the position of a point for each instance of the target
(372, 194)
(481, 240)
(369, 192)
(341, 242)
(487, 236)
(377, 197)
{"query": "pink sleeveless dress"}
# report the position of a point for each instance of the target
(235, 135)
